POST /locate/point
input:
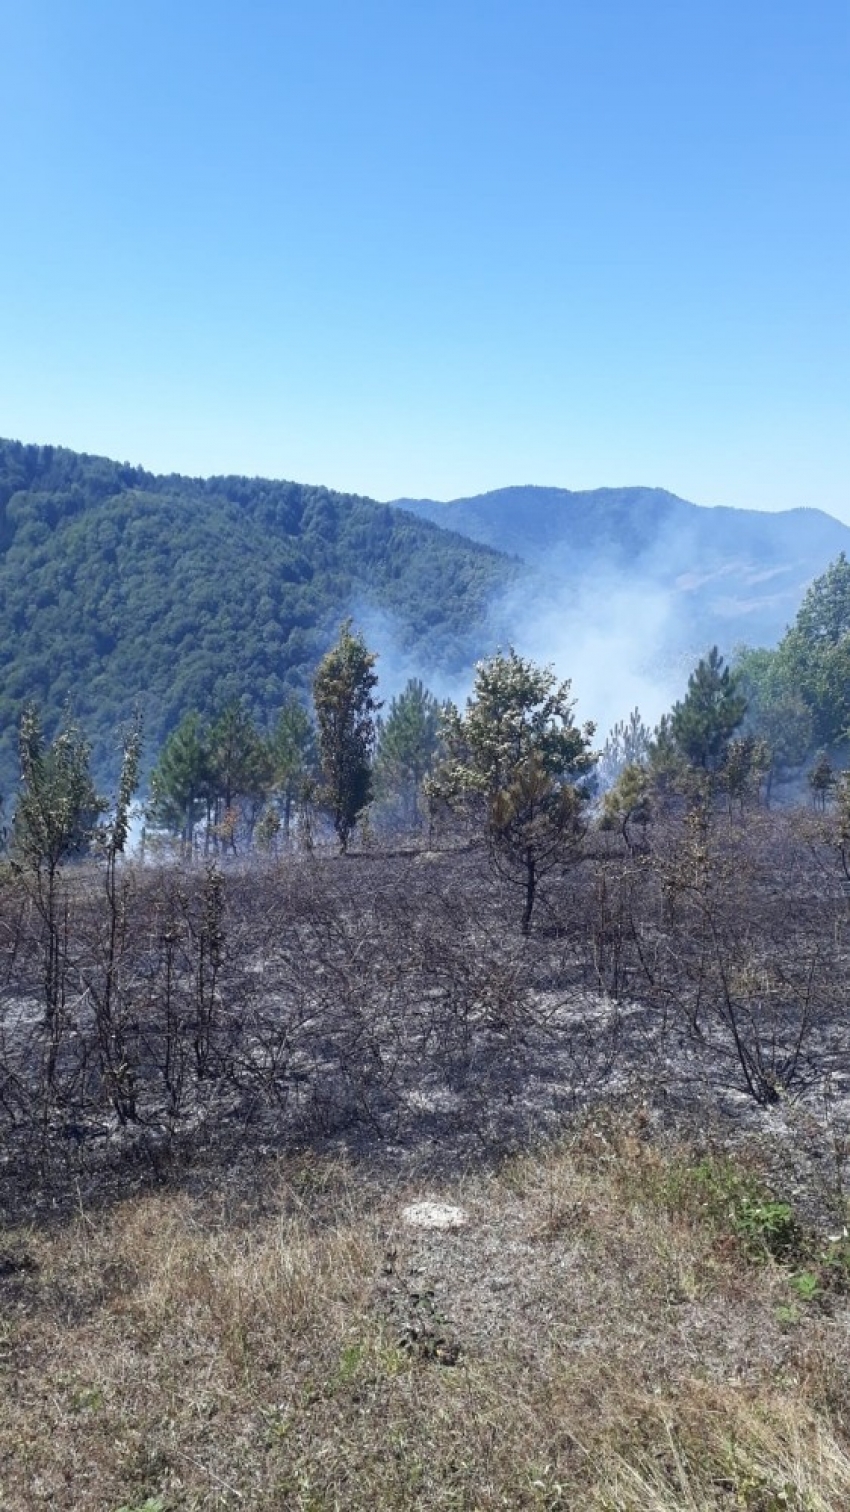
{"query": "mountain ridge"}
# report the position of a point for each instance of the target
(730, 574)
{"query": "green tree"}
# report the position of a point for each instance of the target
(55, 818)
(241, 768)
(343, 695)
(517, 750)
(777, 712)
(815, 654)
(628, 800)
(823, 618)
(822, 780)
(181, 781)
(292, 749)
(747, 766)
(627, 745)
(704, 721)
(408, 741)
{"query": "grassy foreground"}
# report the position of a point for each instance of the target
(612, 1327)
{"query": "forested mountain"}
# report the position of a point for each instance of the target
(117, 585)
(730, 575)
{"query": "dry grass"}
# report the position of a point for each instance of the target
(597, 1336)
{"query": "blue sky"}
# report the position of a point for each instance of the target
(427, 248)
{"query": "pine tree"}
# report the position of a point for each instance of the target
(181, 782)
(292, 748)
(241, 768)
(517, 749)
(627, 745)
(408, 741)
(703, 723)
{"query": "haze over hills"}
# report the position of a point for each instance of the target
(724, 575)
(118, 585)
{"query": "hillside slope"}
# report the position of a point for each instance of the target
(117, 585)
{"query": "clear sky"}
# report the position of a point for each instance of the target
(433, 247)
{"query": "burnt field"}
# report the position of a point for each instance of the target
(203, 1018)
(229, 1094)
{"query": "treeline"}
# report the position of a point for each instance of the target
(798, 695)
(120, 586)
(224, 783)
(223, 786)
(776, 720)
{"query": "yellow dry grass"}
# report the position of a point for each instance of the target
(591, 1338)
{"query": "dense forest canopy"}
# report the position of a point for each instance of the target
(119, 586)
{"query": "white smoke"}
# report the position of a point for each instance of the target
(606, 636)
(609, 637)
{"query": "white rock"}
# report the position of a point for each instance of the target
(434, 1215)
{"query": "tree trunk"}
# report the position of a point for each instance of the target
(530, 889)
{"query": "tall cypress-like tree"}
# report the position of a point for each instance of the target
(343, 694)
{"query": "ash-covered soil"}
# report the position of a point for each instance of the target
(389, 1007)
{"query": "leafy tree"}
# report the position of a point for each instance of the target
(517, 749)
(535, 824)
(777, 713)
(343, 694)
(704, 721)
(815, 653)
(822, 780)
(824, 615)
(268, 829)
(747, 764)
(408, 741)
(57, 807)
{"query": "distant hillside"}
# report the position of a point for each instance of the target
(116, 584)
(729, 575)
